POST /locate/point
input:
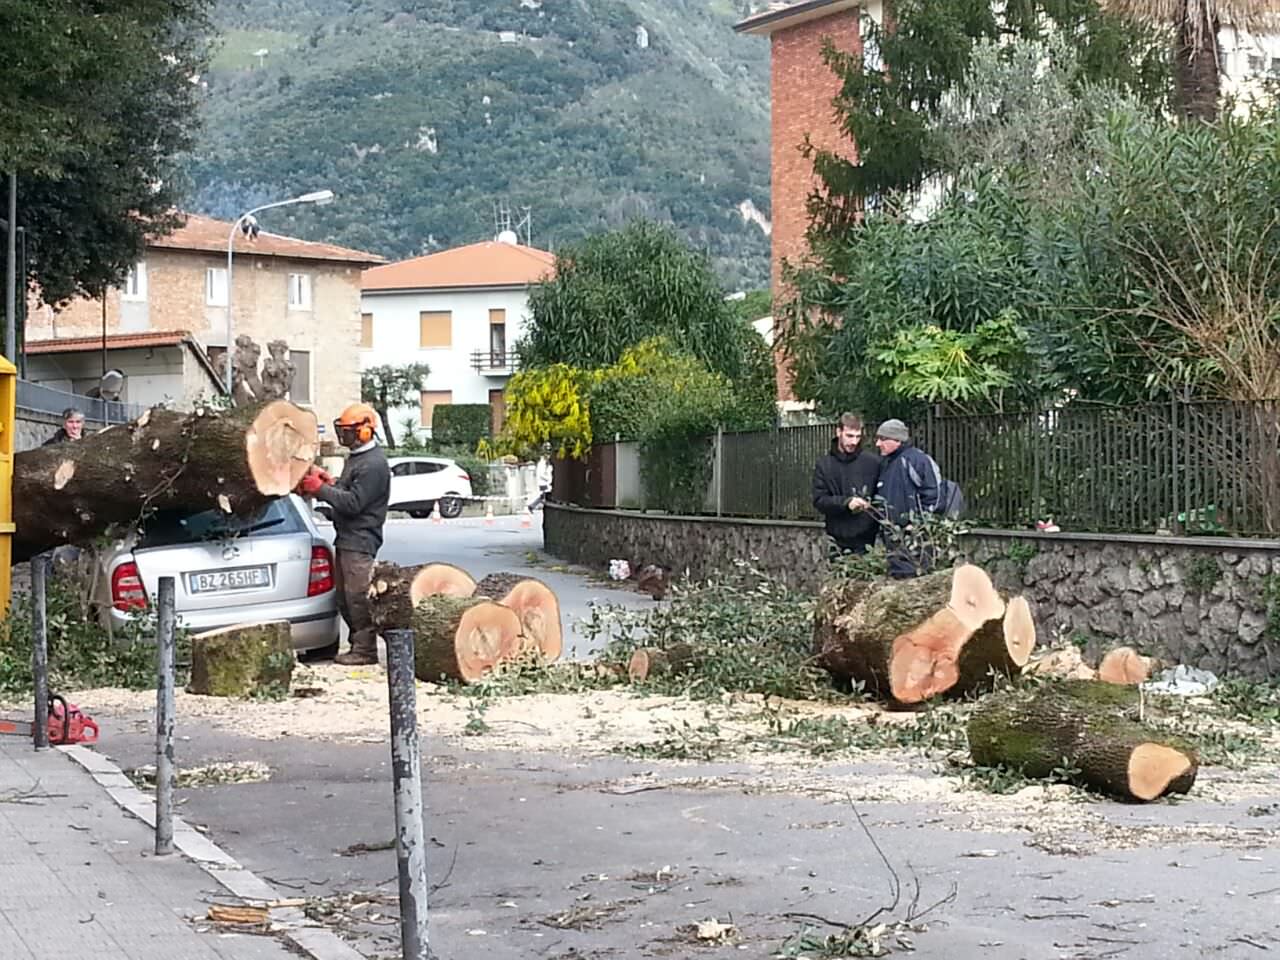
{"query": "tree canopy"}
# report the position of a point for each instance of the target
(388, 386)
(100, 98)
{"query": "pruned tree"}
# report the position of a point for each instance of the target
(388, 386)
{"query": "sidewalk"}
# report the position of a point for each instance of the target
(79, 878)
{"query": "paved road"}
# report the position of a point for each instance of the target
(481, 549)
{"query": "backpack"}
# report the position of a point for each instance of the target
(950, 500)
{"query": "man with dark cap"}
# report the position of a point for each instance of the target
(908, 488)
(844, 481)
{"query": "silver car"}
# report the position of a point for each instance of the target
(275, 565)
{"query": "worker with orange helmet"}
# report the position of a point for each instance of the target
(359, 501)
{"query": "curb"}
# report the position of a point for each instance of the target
(305, 934)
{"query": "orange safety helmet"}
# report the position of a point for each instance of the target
(355, 425)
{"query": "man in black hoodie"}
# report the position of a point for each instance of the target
(843, 483)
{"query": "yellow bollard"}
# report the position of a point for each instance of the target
(8, 405)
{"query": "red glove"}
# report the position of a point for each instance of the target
(314, 479)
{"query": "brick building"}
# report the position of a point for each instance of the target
(802, 88)
(307, 294)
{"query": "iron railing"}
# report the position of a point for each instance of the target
(1177, 467)
(38, 398)
(494, 361)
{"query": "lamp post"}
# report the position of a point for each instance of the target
(318, 197)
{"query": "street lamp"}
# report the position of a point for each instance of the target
(319, 197)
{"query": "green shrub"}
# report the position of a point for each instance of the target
(461, 424)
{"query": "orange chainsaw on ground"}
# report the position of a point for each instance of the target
(66, 724)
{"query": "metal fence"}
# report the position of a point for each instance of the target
(1182, 467)
(38, 398)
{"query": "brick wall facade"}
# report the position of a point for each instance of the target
(802, 90)
(175, 300)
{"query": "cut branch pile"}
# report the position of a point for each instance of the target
(1123, 665)
(234, 461)
(910, 640)
(464, 629)
(1093, 729)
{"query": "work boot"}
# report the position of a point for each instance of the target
(356, 658)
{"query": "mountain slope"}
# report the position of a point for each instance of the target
(422, 114)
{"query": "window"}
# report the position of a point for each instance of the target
(300, 390)
(135, 284)
(1256, 63)
(215, 287)
(435, 329)
(366, 330)
(497, 337)
(299, 291)
(430, 400)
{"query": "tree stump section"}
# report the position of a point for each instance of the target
(537, 606)
(394, 591)
(1089, 726)
(237, 661)
(909, 640)
(234, 461)
(462, 638)
(650, 663)
(1126, 666)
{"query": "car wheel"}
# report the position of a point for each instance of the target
(319, 653)
(450, 507)
(419, 514)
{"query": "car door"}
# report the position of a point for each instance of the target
(404, 483)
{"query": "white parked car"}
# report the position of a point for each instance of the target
(419, 483)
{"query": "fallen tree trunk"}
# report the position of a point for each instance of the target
(462, 638)
(394, 590)
(237, 661)
(1088, 726)
(909, 640)
(535, 604)
(232, 460)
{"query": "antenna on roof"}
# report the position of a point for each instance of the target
(506, 229)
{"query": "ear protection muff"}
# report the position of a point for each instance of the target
(364, 432)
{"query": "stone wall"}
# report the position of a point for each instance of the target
(33, 429)
(1196, 600)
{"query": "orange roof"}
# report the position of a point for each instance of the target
(205, 233)
(115, 341)
(488, 264)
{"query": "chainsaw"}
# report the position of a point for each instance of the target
(66, 724)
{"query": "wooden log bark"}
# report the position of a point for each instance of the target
(537, 606)
(905, 640)
(236, 661)
(233, 460)
(1087, 725)
(394, 590)
(649, 663)
(462, 638)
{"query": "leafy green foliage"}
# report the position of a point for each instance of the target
(547, 405)
(422, 118)
(81, 654)
(98, 104)
(388, 386)
(461, 424)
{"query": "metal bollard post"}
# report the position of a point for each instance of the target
(406, 778)
(40, 650)
(165, 626)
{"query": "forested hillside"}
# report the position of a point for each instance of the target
(422, 114)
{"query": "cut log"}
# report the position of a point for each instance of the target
(1000, 647)
(903, 639)
(462, 638)
(649, 663)
(1125, 665)
(1091, 727)
(233, 460)
(1064, 664)
(394, 590)
(537, 606)
(241, 660)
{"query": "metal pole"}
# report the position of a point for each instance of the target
(10, 274)
(231, 237)
(164, 717)
(104, 331)
(406, 778)
(719, 469)
(40, 650)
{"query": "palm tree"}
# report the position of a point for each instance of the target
(1197, 61)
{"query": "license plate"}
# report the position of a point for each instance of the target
(220, 581)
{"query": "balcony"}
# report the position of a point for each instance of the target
(494, 363)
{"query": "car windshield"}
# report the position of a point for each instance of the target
(168, 528)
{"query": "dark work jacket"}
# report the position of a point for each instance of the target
(59, 437)
(359, 500)
(908, 483)
(836, 478)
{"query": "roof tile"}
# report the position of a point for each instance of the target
(115, 341)
(205, 233)
(488, 264)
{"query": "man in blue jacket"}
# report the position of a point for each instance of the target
(908, 488)
(844, 481)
